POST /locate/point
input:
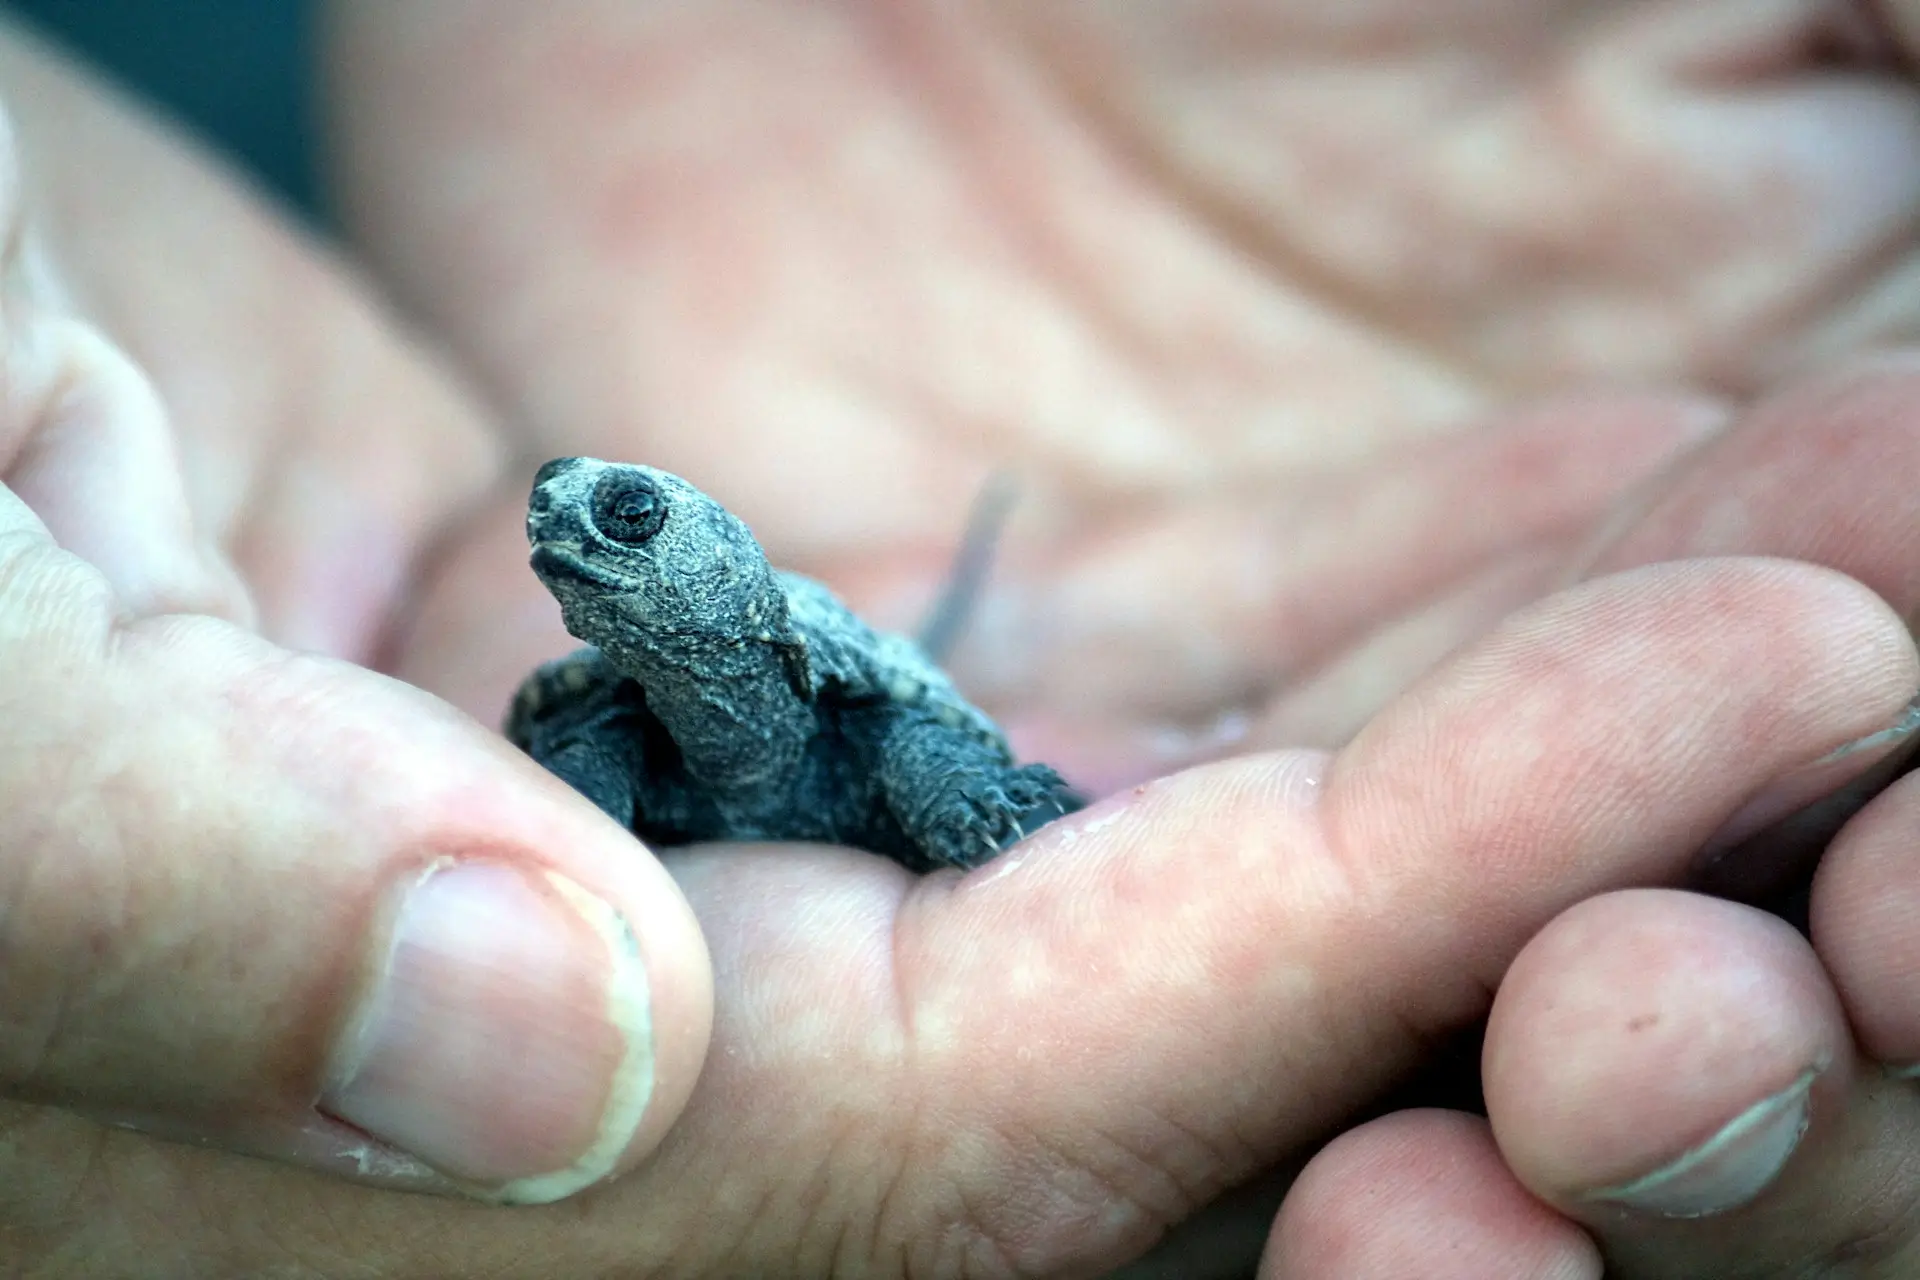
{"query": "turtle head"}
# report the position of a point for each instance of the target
(650, 569)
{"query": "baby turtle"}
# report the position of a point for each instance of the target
(721, 699)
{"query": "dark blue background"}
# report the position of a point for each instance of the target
(239, 72)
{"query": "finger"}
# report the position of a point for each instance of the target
(84, 440)
(1675, 1071)
(324, 448)
(1325, 708)
(1270, 586)
(1863, 924)
(1821, 473)
(1748, 491)
(1299, 930)
(1420, 1193)
(91, 453)
(1817, 473)
(961, 1059)
(281, 905)
(1328, 706)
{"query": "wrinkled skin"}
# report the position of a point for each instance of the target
(704, 232)
(1249, 298)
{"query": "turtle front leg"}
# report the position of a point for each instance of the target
(961, 801)
(598, 770)
(571, 717)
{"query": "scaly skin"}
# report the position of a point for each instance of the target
(723, 700)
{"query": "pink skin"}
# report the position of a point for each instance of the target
(1421, 1193)
(1638, 1024)
(1250, 299)
(1359, 442)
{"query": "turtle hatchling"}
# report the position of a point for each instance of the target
(721, 699)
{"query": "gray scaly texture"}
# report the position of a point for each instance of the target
(721, 699)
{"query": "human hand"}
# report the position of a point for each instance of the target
(973, 1076)
(684, 252)
(1653, 1056)
(242, 883)
(957, 1065)
(1242, 295)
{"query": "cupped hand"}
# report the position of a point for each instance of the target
(1244, 295)
(957, 1075)
(254, 897)
(1038, 1068)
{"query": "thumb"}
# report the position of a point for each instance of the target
(283, 905)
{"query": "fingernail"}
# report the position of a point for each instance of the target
(1803, 786)
(1898, 731)
(1728, 1169)
(507, 1038)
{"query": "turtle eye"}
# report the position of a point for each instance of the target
(629, 509)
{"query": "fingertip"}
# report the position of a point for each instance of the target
(1657, 1050)
(507, 1039)
(653, 990)
(532, 1010)
(545, 926)
(1864, 903)
(645, 913)
(347, 928)
(1597, 737)
(1421, 1193)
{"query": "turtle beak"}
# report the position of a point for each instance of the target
(558, 562)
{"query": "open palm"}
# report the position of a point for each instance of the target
(1257, 302)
